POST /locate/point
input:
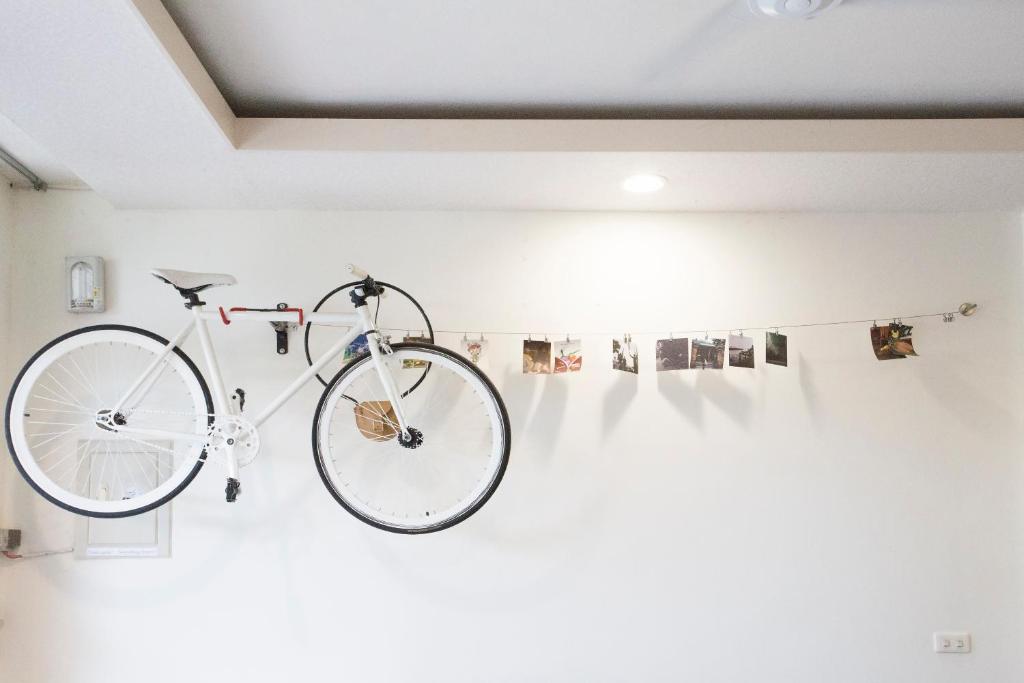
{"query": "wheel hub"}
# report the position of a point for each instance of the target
(411, 438)
(108, 420)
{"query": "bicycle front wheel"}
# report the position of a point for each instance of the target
(62, 443)
(463, 434)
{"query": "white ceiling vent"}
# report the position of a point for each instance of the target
(792, 9)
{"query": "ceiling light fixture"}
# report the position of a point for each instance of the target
(792, 9)
(643, 183)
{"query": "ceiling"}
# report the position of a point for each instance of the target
(28, 152)
(113, 94)
(609, 58)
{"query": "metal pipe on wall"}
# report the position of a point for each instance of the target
(37, 182)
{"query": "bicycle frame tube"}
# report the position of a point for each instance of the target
(157, 362)
(309, 374)
(220, 398)
(359, 322)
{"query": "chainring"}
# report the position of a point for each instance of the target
(233, 431)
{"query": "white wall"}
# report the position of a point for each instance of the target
(808, 524)
(6, 257)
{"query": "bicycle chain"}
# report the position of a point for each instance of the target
(243, 456)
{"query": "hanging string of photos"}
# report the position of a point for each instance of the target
(541, 356)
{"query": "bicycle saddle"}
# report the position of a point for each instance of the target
(185, 281)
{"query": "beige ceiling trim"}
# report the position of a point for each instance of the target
(507, 135)
(576, 135)
(168, 36)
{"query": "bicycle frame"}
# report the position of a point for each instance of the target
(359, 321)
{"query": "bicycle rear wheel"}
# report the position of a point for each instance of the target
(54, 410)
(446, 478)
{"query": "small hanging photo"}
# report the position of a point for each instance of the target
(741, 351)
(775, 349)
(410, 363)
(707, 354)
(474, 349)
(536, 357)
(672, 354)
(890, 342)
(568, 356)
(624, 355)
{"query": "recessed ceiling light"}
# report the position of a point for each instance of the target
(792, 9)
(643, 183)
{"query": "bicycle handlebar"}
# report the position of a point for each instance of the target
(361, 274)
(357, 271)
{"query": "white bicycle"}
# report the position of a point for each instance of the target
(112, 421)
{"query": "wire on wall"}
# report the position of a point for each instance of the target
(947, 316)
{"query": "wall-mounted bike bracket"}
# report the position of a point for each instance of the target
(282, 328)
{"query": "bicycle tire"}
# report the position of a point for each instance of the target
(200, 461)
(478, 503)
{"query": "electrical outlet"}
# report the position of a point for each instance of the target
(10, 539)
(958, 642)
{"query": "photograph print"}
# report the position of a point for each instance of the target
(474, 349)
(775, 349)
(410, 363)
(624, 355)
(672, 354)
(536, 357)
(707, 354)
(741, 351)
(890, 342)
(568, 356)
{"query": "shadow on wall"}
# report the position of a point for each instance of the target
(548, 416)
(546, 396)
(730, 400)
(682, 396)
(617, 400)
(974, 409)
(107, 589)
(809, 390)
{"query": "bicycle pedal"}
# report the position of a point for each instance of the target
(232, 490)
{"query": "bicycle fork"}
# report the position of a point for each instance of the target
(410, 437)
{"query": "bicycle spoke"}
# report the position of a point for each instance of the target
(70, 399)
